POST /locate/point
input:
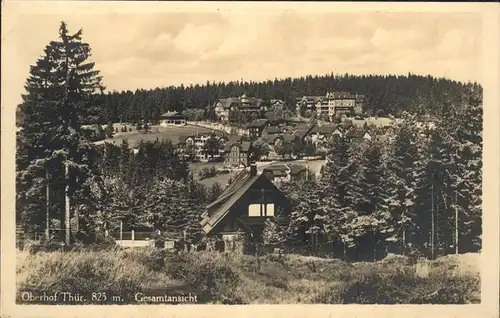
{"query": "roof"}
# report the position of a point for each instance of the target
(303, 131)
(272, 138)
(355, 133)
(272, 130)
(277, 173)
(297, 168)
(258, 123)
(289, 137)
(245, 146)
(311, 99)
(277, 167)
(272, 116)
(276, 101)
(230, 101)
(326, 129)
(302, 126)
(341, 95)
(227, 102)
(172, 114)
(221, 206)
(235, 138)
(227, 199)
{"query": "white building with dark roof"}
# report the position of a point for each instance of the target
(172, 118)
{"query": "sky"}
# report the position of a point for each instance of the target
(145, 49)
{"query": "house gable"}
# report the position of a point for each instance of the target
(238, 203)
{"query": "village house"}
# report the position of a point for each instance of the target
(237, 153)
(358, 135)
(359, 104)
(323, 134)
(243, 104)
(277, 172)
(172, 119)
(275, 119)
(276, 105)
(332, 104)
(270, 131)
(303, 131)
(197, 144)
(242, 209)
(256, 127)
(282, 172)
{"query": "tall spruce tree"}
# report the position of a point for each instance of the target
(333, 187)
(400, 182)
(61, 94)
(170, 207)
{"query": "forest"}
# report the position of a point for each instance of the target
(417, 187)
(384, 95)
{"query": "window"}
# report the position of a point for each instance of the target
(261, 209)
(254, 210)
(270, 209)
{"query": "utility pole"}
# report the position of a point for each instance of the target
(432, 221)
(456, 222)
(47, 206)
(307, 170)
(67, 216)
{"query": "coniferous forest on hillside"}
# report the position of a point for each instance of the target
(384, 95)
(414, 186)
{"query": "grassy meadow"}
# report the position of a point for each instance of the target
(235, 279)
(157, 132)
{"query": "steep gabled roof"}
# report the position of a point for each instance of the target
(227, 102)
(302, 131)
(245, 146)
(220, 207)
(227, 199)
(289, 137)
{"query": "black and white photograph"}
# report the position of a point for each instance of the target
(244, 157)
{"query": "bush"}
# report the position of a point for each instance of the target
(377, 284)
(207, 173)
(236, 279)
(214, 278)
(86, 272)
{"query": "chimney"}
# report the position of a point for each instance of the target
(253, 169)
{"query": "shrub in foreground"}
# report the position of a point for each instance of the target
(86, 272)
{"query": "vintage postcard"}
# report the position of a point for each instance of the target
(206, 159)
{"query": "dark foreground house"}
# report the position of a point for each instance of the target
(242, 209)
